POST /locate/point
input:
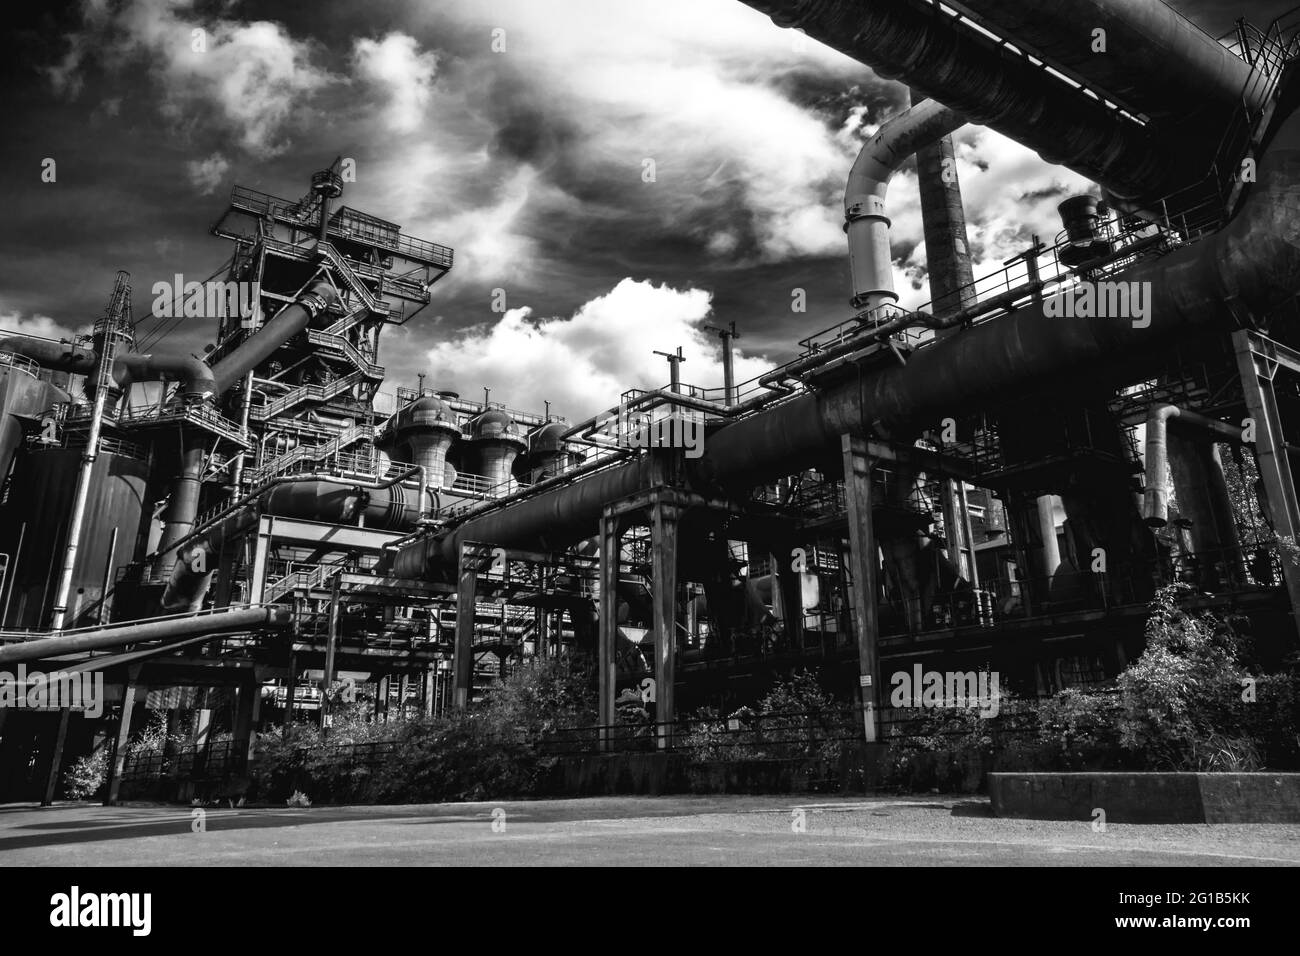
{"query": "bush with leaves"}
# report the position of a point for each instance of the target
(1185, 690)
(502, 748)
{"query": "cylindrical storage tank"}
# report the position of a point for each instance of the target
(23, 396)
(34, 527)
(496, 441)
(429, 427)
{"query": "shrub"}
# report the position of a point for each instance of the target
(85, 779)
(499, 749)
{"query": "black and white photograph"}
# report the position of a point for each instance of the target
(650, 433)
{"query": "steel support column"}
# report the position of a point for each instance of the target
(610, 543)
(1258, 361)
(862, 567)
(463, 657)
(331, 650)
(117, 758)
(56, 756)
(663, 545)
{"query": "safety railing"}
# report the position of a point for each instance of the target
(20, 363)
(306, 393)
(349, 351)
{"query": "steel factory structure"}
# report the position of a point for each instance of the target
(1001, 479)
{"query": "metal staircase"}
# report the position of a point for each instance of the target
(317, 394)
(312, 453)
(340, 344)
(349, 277)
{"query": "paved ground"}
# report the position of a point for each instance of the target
(620, 831)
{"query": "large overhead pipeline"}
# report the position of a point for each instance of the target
(1141, 54)
(193, 374)
(382, 505)
(117, 635)
(56, 356)
(288, 322)
(1249, 268)
(962, 68)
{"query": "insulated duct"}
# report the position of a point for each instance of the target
(870, 261)
(946, 60)
(1141, 54)
(56, 356)
(1247, 269)
(382, 506)
(195, 376)
(288, 322)
(117, 635)
(1193, 461)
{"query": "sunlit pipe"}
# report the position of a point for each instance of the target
(1155, 499)
(1139, 53)
(311, 497)
(193, 374)
(288, 322)
(923, 47)
(137, 631)
(871, 262)
(1249, 268)
(56, 356)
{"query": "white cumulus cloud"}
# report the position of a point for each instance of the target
(402, 73)
(583, 363)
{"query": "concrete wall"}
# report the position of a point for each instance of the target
(1148, 797)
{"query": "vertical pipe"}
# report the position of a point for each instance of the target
(608, 625)
(331, 649)
(862, 566)
(291, 689)
(463, 657)
(108, 575)
(178, 519)
(79, 499)
(237, 473)
(1046, 505)
(729, 365)
(663, 541)
(13, 569)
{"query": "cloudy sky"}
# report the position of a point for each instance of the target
(518, 132)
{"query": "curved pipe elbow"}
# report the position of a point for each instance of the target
(194, 374)
(865, 222)
(1155, 497)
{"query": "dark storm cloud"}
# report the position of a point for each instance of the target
(529, 162)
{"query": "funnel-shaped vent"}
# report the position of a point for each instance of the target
(429, 427)
(497, 441)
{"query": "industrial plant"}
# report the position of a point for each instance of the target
(998, 481)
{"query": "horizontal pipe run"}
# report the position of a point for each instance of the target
(194, 374)
(55, 356)
(1195, 292)
(118, 635)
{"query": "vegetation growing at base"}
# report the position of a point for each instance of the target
(1192, 702)
(496, 750)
